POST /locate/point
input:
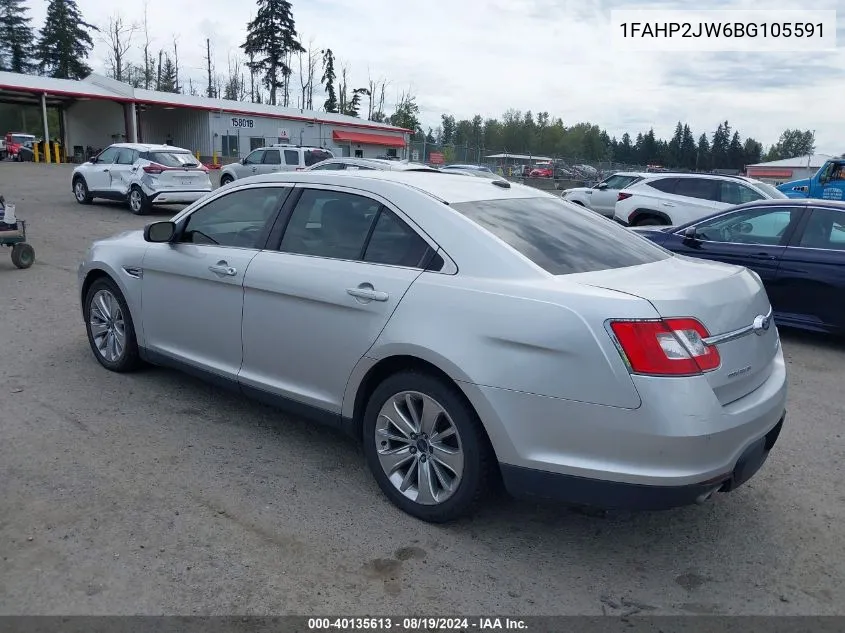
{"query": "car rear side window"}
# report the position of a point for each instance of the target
(272, 157)
(701, 188)
(395, 243)
(314, 156)
(666, 185)
(560, 237)
(292, 157)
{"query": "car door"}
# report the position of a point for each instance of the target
(317, 303)
(732, 193)
(123, 170)
(812, 270)
(192, 289)
(98, 176)
(694, 197)
(291, 160)
(833, 187)
(603, 198)
(251, 164)
(272, 162)
(754, 237)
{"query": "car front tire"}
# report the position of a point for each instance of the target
(225, 180)
(110, 329)
(80, 191)
(426, 447)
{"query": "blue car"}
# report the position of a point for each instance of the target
(796, 246)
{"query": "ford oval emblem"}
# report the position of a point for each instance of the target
(761, 324)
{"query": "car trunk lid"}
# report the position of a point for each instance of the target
(725, 299)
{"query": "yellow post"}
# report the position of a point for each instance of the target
(47, 152)
(214, 158)
(198, 155)
(35, 156)
(57, 152)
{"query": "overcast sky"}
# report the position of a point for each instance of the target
(464, 57)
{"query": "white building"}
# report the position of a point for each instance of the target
(98, 111)
(780, 171)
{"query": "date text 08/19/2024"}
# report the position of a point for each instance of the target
(417, 624)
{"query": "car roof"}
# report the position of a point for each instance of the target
(150, 147)
(377, 163)
(448, 188)
(791, 202)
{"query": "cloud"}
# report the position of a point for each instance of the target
(484, 56)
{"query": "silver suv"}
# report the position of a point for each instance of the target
(275, 158)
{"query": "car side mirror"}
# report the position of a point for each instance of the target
(160, 232)
(601, 185)
(242, 161)
(690, 233)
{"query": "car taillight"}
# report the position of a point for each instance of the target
(623, 196)
(667, 347)
(154, 168)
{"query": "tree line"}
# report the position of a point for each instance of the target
(275, 58)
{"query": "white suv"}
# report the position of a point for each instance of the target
(673, 199)
(275, 158)
(142, 175)
(602, 197)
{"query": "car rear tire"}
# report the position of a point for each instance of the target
(139, 203)
(225, 180)
(80, 191)
(426, 447)
(110, 329)
(649, 221)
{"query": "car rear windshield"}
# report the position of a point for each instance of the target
(172, 159)
(772, 192)
(314, 156)
(560, 237)
(22, 138)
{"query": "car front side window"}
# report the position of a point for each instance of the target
(237, 219)
(255, 157)
(750, 226)
(108, 155)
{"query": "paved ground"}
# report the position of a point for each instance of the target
(153, 493)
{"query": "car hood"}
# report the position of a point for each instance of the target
(135, 236)
(789, 188)
(577, 190)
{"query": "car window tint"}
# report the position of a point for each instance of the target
(236, 219)
(314, 156)
(108, 155)
(618, 182)
(666, 185)
(737, 193)
(561, 237)
(330, 167)
(292, 157)
(174, 159)
(749, 226)
(255, 157)
(825, 229)
(701, 188)
(272, 157)
(329, 224)
(394, 242)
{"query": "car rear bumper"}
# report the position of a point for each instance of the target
(166, 196)
(570, 489)
(680, 443)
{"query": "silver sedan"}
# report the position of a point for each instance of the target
(463, 329)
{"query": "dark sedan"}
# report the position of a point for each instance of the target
(796, 246)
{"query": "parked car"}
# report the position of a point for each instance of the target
(602, 197)
(273, 159)
(797, 247)
(378, 164)
(673, 199)
(542, 170)
(827, 183)
(142, 175)
(581, 362)
(15, 141)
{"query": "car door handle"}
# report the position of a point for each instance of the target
(668, 204)
(222, 268)
(367, 292)
(764, 256)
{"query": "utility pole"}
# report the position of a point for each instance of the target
(210, 93)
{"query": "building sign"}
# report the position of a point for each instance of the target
(436, 158)
(284, 135)
(238, 122)
(415, 155)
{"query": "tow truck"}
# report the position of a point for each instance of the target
(15, 141)
(828, 183)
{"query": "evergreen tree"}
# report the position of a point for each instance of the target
(736, 152)
(64, 43)
(625, 150)
(169, 79)
(703, 160)
(270, 41)
(328, 80)
(675, 147)
(752, 152)
(688, 149)
(15, 37)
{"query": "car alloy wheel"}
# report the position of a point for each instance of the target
(136, 201)
(107, 324)
(419, 447)
(80, 192)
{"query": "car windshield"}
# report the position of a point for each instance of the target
(314, 156)
(770, 191)
(174, 159)
(560, 237)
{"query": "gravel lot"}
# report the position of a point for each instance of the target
(154, 493)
